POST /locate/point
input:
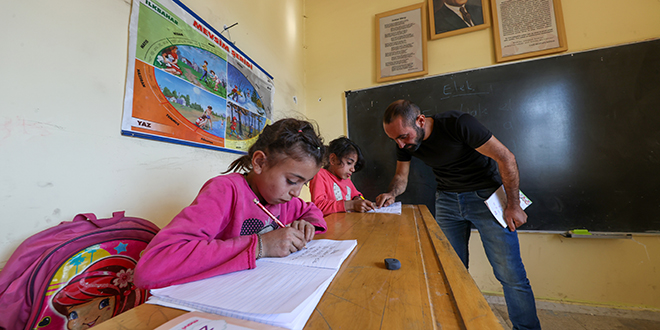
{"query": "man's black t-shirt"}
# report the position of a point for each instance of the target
(449, 151)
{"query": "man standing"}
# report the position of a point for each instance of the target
(465, 157)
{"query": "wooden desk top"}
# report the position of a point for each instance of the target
(432, 290)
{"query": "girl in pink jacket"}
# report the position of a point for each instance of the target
(332, 189)
(224, 229)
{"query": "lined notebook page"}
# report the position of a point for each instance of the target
(323, 253)
(271, 288)
(279, 291)
(293, 320)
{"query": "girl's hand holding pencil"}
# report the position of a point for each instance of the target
(286, 239)
(282, 242)
(359, 204)
(307, 228)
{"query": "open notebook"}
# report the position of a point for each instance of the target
(279, 291)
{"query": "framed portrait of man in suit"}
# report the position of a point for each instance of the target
(451, 17)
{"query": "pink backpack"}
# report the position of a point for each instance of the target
(79, 271)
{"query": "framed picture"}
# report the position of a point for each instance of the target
(527, 28)
(451, 17)
(401, 43)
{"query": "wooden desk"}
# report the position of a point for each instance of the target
(432, 290)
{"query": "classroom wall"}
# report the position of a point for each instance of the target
(340, 56)
(62, 94)
(62, 89)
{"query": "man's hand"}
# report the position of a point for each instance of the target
(515, 217)
(385, 199)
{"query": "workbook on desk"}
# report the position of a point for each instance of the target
(279, 291)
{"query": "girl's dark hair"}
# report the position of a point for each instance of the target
(285, 137)
(342, 147)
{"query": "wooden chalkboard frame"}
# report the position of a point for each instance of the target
(585, 129)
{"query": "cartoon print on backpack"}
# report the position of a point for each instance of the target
(93, 286)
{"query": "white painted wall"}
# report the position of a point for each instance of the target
(61, 95)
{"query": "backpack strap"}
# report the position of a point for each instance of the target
(91, 217)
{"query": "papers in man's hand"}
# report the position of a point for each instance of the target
(394, 208)
(279, 291)
(497, 203)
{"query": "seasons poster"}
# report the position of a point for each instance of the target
(187, 84)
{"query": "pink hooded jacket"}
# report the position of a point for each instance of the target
(216, 234)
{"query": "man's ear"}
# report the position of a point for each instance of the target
(258, 161)
(420, 120)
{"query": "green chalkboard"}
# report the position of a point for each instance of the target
(585, 129)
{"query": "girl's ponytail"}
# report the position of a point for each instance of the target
(291, 137)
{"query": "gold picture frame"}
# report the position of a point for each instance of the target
(452, 17)
(401, 37)
(538, 29)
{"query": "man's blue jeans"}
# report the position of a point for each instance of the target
(455, 213)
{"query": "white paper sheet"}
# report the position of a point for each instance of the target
(497, 203)
(394, 208)
(323, 253)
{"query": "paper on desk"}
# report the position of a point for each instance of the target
(394, 208)
(275, 286)
(295, 320)
(497, 203)
(322, 253)
(270, 288)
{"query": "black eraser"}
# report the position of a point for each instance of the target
(392, 264)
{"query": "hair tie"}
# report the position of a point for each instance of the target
(299, 131)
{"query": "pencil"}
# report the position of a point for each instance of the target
(277, 221)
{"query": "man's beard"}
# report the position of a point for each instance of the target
(418, 140)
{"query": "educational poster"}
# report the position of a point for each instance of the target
(187, 84)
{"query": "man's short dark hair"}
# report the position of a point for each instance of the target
(404, 109)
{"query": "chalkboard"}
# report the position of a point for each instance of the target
(585, 129)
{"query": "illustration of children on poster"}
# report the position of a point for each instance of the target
(197, 105)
